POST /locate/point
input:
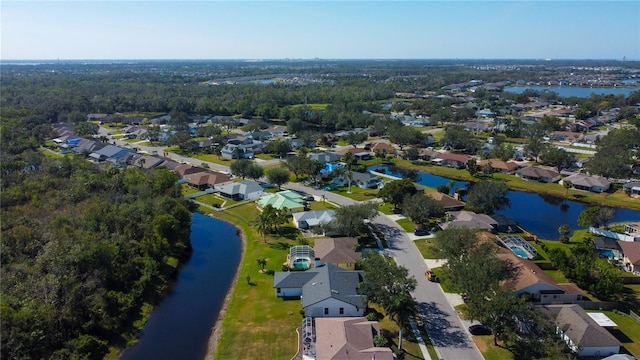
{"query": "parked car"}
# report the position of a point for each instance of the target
(479, 329)
(421, 232)
(431, 276)
(308, 198)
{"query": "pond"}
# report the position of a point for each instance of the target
(539, 214)
(181, 325)
(568, 91)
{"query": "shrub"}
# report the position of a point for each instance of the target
(380, 341)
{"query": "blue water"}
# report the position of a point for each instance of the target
(301, 264)
(180, 327)
(606, 253)
(329, 167)
(567, 91)
(539, 214)
(520, 252)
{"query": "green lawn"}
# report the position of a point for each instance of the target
(210, 158)
(444, 283)
(386, 208)
(257, 324)
(188, 190)
(320, 205)
(490, 351)
(357, 193)
(427, 248)
(406, 224)
(627, 331)
(213, 200)
(390, 330)
(266, 156)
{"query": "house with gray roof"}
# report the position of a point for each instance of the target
(470, 220)
(537, 173)
(244, 190)
(582, 333)
(324, 156)
(109, 152)
(326, 291)
(593, 183)
(309, 219)
(632, 188)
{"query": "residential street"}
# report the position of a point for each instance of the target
(448, 335)
(446, 331)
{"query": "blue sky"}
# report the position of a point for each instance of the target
(319, 29)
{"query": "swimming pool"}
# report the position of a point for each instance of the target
(520, 252)
(608, 253)
(329, 167)
(301, 264)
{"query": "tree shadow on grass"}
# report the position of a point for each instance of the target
(280, 245)
(288, 232)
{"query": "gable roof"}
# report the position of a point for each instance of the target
(337, 250)
(244, 187)
(454, 157)
(538, 172)
(469, 219)
(348, 338)
(587, 180)
(210, 178)
(283, 199)
(530, 274)
(388, 148)
(631, 250)
(507, 166)
(186, 169)
(364, 177)
(447, 201)
(333, 282)
(315, 217)
(578, 326)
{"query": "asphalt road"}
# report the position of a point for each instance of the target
(447, 333)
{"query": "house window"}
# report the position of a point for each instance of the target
(341, 311)
(279, 291)
(326, 311)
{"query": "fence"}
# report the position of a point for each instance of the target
(598, 305)
(611, 234)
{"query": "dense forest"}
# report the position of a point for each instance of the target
(83, 248)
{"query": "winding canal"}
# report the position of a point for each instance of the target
(180, 327)
(539, 214)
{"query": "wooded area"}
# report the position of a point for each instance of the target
(83, 249)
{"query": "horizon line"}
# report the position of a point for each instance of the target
(317, 59)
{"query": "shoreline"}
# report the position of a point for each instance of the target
(216, 330)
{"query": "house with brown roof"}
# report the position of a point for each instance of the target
(538, 173)
(447, 202)
(581, 333)
(338, 251)
(457, 161)
(533, 281)
(426, 154)
(631, 256)
(497, 165)
(593, 183)
(207, 180)
(385, 148)
(348, 338)
(185, 169)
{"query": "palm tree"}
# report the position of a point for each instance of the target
(349, 159)
(262, 262)
(567, 186)
(264, 223)
(400, 308)
(564, 231)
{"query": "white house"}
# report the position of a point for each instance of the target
(309, 219)
(581, 333)
(326, 291)
(361, 180)
(244, 190)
